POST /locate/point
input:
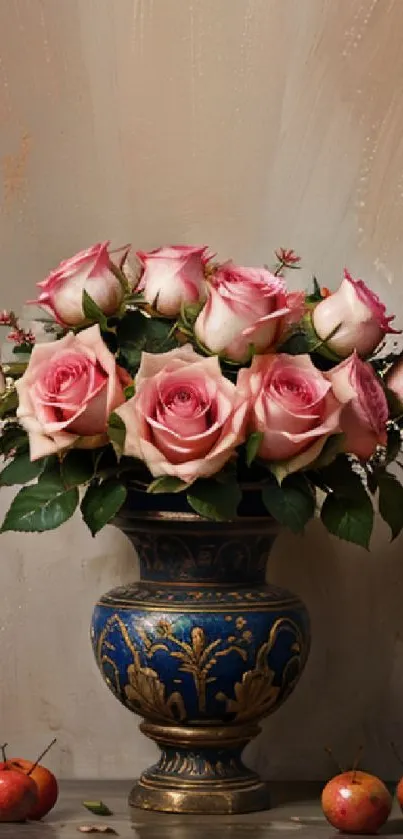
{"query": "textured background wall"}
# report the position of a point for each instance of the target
(246, 124)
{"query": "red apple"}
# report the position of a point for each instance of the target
(399, 792)
(18, 794)
(45, 782)
(356, 802)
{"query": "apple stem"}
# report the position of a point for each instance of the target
(3, 751)
(356, 762)
(329, 752)
(41, 756)
(396, 753)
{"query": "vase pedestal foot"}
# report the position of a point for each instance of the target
(203, 798)
(200, 771)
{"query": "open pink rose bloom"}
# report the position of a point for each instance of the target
(183, 374)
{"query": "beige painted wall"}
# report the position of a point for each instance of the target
(246, 124)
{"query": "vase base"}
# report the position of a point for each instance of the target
(202, 798)
(200, 771)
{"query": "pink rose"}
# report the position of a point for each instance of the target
(68, 391)
(173, 276)
(365, 413)
(359, 313)
(185, 418)
(89, 270)
(292, 404)
(246, 307)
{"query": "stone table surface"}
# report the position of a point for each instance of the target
(295, 812)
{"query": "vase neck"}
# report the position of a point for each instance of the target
(201, 552)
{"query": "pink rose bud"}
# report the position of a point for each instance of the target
(185, 418)
(292, 405)
(360, 315)
(246, 308)
(91, 271)
(365, 413)
(68, 391)
(172, 277)
(394, 379)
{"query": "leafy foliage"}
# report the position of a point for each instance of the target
(167, 483)
(21, 470)
(213, 500)
(316, 295)
(136, 333)
(391, 502)
(347, 511)
(92, 311)
(338, 484)
(44, 506)
(252, 446)
(101, 502)
(117, 431)
(13, 438)
(291, 504)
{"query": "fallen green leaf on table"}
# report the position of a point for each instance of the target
(97, 828)
(98, 808)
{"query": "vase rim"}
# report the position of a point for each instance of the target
(128, 516)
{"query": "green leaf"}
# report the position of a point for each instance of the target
(116, 431)
(121, 276)
(391, 502)
(190, 313)
(98, 808)
(129, 391)
(215, 501)
(101, 503)
(372, 480)
(252, 446)
(8, 402)
(52, 472)
(159, 337)
(296, 344)
(291, 504)
(108, 464)
(77, 467)
(228, 473)
(23, 349)
(137, 333)
(92, 311)
(44, 506)
(331, 449)
(131, 335)
(315, 296)
(349, 518)
(13, 437)
(21, 470)
(393, 444)
(394, 404)
(167, 483)
(340, 477)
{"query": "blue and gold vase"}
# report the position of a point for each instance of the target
(202, 649)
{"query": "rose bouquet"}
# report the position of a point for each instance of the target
(183, 375)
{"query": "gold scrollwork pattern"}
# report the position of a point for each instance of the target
(198, 766)
(145, 692)
(197, 657)
(255, 694)
(141, 593)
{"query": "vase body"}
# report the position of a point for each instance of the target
(201, 648)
